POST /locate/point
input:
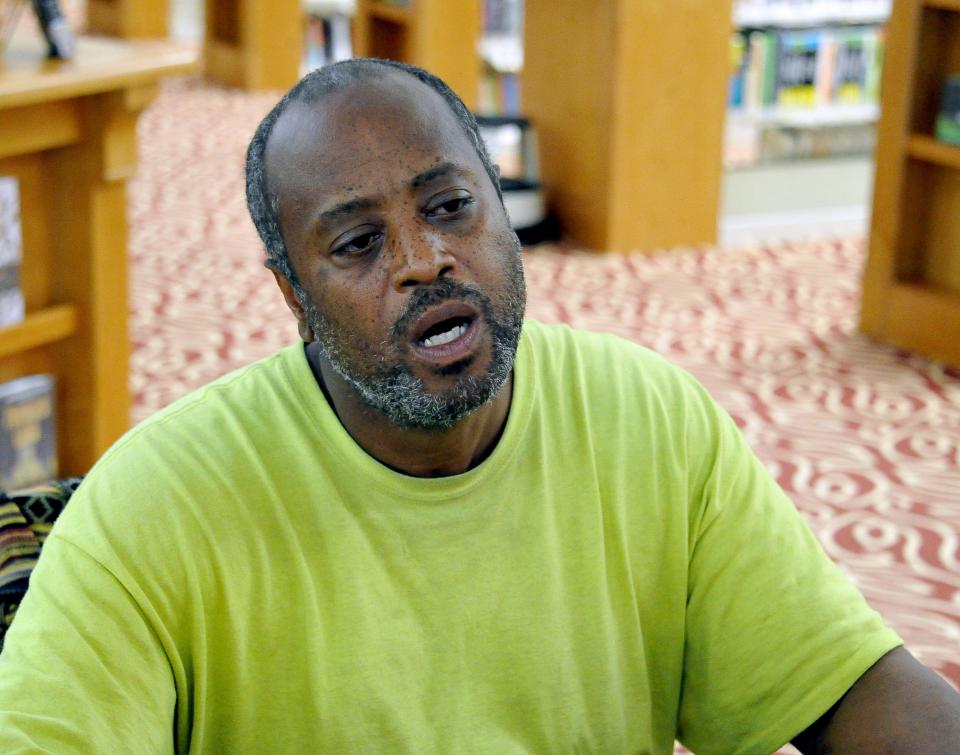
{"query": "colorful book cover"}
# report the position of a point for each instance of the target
(850, 77)
(28, 453)
(11, 253)
(797, 69)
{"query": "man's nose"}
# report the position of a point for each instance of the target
(421, 257)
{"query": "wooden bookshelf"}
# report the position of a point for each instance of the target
(629, 101)
(911, 283)
(67, 133)
(438, 35)
(253, 44)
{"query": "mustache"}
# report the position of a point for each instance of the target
(443, 290)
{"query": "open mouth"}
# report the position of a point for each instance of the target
(447, 332)
(444, 332)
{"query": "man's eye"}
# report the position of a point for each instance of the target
(450, 206)
(358, 245)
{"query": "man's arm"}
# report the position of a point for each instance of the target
(898, 705)
(82, 669)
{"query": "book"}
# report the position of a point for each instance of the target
(797, 68)
(11, 253)
(499, 93)
(788, 81)
(27, 433)
(738, 70)
(851, 69)
(947, 128)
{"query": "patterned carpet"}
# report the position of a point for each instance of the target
(864, 438)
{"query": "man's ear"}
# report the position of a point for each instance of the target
(293, 303)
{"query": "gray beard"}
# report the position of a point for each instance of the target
(402, 397)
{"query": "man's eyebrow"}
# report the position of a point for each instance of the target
(436, 171)
(329, 217)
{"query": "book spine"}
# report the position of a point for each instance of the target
(738, 62)
(11, 253)
(756, 60)
(826, 64)
(27, 432)
(771, 56)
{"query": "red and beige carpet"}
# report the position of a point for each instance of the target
(865, 438)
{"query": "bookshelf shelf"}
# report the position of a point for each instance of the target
(953, 5)
(395, 14)
(928, 149)
(39, 329)
(813, 117)
(934, 322)
(812, 16)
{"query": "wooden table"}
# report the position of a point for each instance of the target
(67, 132)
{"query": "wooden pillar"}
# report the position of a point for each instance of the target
(443, 39)
(629, 100)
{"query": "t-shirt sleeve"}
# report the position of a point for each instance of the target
(775, 633)
(81, 669)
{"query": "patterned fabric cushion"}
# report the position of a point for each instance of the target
(26, 517)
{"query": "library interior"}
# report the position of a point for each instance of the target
(764, 192)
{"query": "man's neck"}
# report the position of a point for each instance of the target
(415, 452)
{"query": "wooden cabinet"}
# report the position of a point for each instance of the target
(67, 132)
(438, 35)
(911, 284)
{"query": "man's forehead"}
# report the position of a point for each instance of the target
(390, 112)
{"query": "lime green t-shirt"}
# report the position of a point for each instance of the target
(237, 575)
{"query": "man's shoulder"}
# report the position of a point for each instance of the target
(599, 356)
(181, 458)
(236, 403)
(253, 380)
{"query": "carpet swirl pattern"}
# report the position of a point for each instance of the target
(865, 438)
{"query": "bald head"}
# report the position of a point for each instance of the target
(351, 94)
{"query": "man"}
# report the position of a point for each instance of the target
(426, 531)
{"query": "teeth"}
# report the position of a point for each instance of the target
(446, 337)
